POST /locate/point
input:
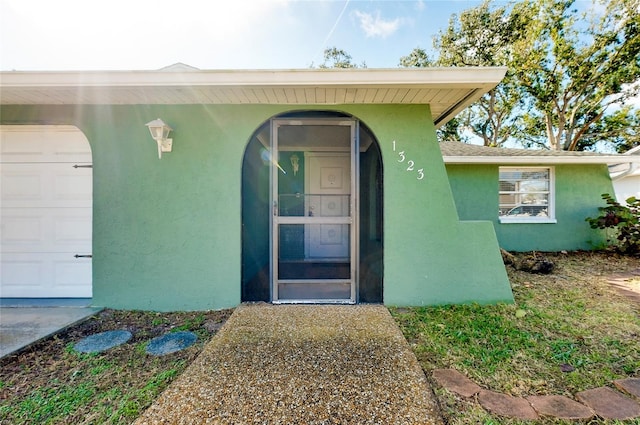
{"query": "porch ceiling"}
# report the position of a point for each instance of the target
(447, 90)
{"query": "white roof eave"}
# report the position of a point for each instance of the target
(486, 77)
(447, 90)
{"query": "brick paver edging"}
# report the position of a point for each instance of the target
(604, 402)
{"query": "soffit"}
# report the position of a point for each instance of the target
(446, 90)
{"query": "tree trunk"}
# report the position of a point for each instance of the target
(553, 140)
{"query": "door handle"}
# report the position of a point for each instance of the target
(83, 256)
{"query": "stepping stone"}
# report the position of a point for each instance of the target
(610, 404)
(456, 382)
(506, 405)
(560, 407)
(629, 386)
(170, 343)
(102, 341)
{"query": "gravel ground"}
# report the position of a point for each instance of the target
(313, 364)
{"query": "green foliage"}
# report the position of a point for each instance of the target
(623, 219)
(157, 321)
(482, 36)
(193, 325)
(569, 72)
(418, 58)
(60, 400)
(619, 130)
(450, 131)
(51, 404)
(338, 58)
(573, 68)
(134, 404)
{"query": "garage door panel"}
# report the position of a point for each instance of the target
(19, 270)
(71, 272)
(45, 275)
(46, 230)
(46, 185)
(46, 201)
(24, 143)
(21, 230)
(73, 230)
(44, 144)
(72, 186)
(19, 187)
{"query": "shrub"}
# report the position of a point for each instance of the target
(624, 220)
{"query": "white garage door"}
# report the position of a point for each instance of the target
(46, 212)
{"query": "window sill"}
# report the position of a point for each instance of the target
(525, 220)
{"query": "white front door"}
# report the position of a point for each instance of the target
(328, 181)
(46, 212)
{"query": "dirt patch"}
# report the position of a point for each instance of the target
(627, 284)
(50, 382)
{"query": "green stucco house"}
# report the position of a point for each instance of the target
(537, 199)
(184, 189)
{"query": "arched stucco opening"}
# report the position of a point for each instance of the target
(257, 211)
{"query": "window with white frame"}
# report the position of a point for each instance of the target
(526, 194)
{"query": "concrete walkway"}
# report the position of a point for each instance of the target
(297, 364)
(23, 322)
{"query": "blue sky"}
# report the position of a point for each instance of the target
(228, 34)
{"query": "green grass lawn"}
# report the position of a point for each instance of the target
(567, 332)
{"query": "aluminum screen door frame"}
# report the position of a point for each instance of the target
(351, 220)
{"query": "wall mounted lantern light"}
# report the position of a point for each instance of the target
(160, 132)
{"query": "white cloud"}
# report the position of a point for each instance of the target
(376, 26)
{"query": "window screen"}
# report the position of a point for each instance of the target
(525, 193)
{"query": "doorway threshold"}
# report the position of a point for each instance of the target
(319, 302)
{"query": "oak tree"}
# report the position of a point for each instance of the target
(573, 70)
(481, 36)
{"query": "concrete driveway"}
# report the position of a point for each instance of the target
(25, 321)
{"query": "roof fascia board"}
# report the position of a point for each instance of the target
(633, 151)
(543, 160)
(422, 77)
(458, 107)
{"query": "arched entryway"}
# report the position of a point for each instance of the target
(312, 211)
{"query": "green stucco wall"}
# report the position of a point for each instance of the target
(577, 196)
(167, 233)
(430, 257)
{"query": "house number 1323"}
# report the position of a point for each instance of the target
(411, 165)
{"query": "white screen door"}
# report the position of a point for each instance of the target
(314, 198)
